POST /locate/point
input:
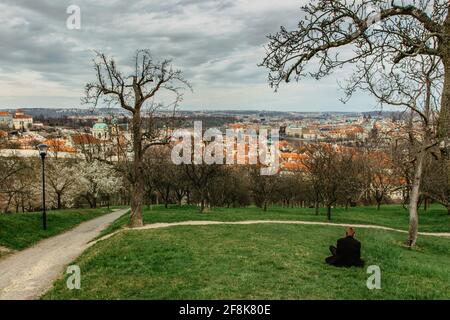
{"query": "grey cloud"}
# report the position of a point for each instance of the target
(212, 41)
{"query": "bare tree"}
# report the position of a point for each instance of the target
(289, 188)
(436, 184)
(400, 38)
(380, 175)
(417, 89)
(396, 31)
(136, 93)
(263, 187)
(332, 169)
(202, 177)
(161, 173)
(180, 183)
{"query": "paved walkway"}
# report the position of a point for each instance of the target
(204, 223)
(29, 273)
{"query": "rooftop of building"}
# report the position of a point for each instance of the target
(22, 116)
(100, 126)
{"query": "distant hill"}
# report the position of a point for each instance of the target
(51, 113)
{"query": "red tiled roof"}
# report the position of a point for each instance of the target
(20, 116)
(80, 139)
(292, 166)
(292, 155)
(55, 142)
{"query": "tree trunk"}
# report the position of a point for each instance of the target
(58, 196)
(8, 203)
(202, 205)
(413, 200)
(88, 198)
(316, 206)
(444, 114)
(378, 204)
(166, 204)
(137, 196)
(329, 212)
(265, 206)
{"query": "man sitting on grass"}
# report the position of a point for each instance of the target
(347, 253)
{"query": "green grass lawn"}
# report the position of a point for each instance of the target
(435, 219)
(255, 262)
(20, 230)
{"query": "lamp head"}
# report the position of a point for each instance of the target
(42, 150)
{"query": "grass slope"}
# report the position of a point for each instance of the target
(255, 262)
(435, 219)
(20, 230)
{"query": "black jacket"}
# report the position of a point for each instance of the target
(348, 253)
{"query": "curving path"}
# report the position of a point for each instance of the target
(29, 273)
(204, 223)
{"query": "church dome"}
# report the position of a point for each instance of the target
(100, 126)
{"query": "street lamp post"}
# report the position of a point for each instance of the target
(43, 152)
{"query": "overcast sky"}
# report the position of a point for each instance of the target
(217, 43)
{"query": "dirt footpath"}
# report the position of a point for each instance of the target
(29, 273)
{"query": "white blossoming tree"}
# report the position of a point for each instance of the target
(97, 179)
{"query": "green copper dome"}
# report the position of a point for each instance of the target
(100, 126)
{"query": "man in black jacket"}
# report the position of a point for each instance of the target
(347, 253)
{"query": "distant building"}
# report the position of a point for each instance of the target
(292, 131)
(100, 130)
(22, 121)
(57, 145)
(87, 144)
(5, 120)
(310, 134)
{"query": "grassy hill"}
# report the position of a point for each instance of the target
(265, 261)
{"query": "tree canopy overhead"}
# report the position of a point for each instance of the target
(392, 30)
(375, 35)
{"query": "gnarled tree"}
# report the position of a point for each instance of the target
(136, 93)
(415, 85)
(377, 36)
(379, 30)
